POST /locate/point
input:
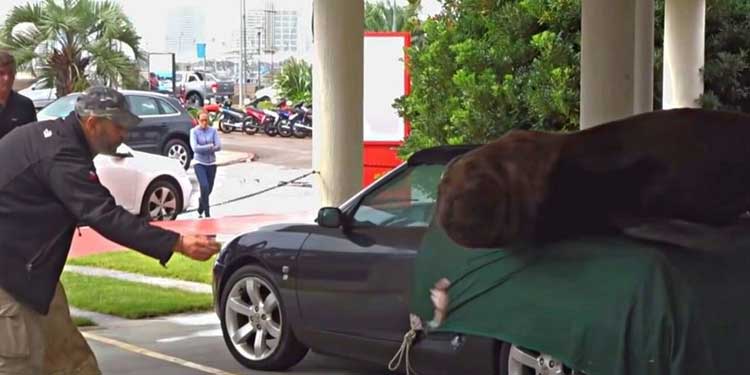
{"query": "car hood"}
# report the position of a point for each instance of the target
(158, 164)
(284, 227)
(155, 164)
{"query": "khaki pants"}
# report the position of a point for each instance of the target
(35, 344)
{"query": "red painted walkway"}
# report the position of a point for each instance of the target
(90, 242)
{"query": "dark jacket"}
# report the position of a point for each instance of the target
(19, 110)
(48, 185)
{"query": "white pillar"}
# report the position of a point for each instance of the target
(684, 52)
(337, 98)
(617, 53)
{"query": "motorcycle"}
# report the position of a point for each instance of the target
(278, 119)
(282, 124)
(231, 119)
(260, 119)
(301, 121)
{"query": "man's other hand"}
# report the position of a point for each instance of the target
(198, 247)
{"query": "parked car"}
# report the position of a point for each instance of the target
(341, 286)
(40, 93)
(144, 184)
(198, 87)
(269, 92)
(165, 128)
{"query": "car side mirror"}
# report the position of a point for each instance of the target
(330, 217)
(122, 155)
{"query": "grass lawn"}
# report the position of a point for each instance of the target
(82, 322)
(179, 267)
(128, 299)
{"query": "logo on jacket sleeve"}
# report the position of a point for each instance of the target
(47, 133)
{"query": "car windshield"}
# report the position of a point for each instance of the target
(406, 201)
(59, 108)
(40, 84)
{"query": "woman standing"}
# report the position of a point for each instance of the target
(204, 140)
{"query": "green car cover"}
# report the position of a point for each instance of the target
(602, 305)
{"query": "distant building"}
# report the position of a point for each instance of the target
(185, 28)
(283, 27)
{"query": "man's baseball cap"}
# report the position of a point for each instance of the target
(106, 102)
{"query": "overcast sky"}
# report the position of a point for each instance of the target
(149, 16)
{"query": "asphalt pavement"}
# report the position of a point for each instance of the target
(191, 344)
(286, 152)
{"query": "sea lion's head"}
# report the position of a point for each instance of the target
(489, 197)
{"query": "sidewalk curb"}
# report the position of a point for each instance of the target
(101, 320)
(233, 158)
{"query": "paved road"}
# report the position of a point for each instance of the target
(288, 152)
(243, 179)
(192, 344)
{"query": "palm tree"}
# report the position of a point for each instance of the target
(73, 42)
(387, 16)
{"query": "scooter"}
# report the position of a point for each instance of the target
(231, 119)
(301, 121)
(282, 125)
(259, 119)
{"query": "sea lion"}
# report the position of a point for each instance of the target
(678, 176)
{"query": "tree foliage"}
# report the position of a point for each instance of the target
(294, 82)
(74, 42)
(385, 15)
(486, 67)
(727, 71)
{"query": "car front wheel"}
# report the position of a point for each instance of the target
(178, 149)
(162, 201)
(254, 324)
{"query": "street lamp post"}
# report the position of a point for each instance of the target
(259, 81)
(243, 46)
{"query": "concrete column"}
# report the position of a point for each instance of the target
(617, 53)
(338, 98)
(684, 52)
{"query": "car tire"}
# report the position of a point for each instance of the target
(514, 360)
(161, 201)
(239, 310)
(178, 149)
(194, 100)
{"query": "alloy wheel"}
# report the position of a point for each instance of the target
(253, 318)
(524, 362)
(162, 204)
(178, 151)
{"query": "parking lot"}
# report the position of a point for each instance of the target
(187, 345)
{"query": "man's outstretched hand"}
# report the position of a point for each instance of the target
(198, 247)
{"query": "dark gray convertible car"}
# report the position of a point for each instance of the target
(342, 286)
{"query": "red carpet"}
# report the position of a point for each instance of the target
(90, 242)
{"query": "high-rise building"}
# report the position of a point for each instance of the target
(281, 25)
(185, 28)
(277, 28)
